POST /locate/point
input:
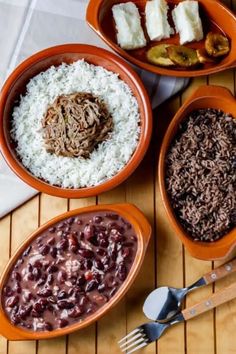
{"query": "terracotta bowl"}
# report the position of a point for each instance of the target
(143, 233)
(215, 17)
(69, 53)
(205, 97)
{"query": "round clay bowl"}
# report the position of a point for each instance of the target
(214, 16)
(69, 53)
(205, 97)
(143, 233)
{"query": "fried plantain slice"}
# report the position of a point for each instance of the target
(216, 44)
(183, 56)
(158, 55)
(203, 56)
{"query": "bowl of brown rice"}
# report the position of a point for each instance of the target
(197, 173)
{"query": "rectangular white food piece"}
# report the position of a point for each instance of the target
(128, 24)
(187, 21)
(156, 20)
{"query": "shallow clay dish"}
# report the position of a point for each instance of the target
(215, 17)
(69, 53)
(143, 233)
(205, 97)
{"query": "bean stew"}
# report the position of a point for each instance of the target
(69, 271)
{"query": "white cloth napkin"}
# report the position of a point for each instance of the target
(27, 26)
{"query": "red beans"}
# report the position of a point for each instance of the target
(62, 323)
(44, 250)
(62, 245)
(69, 271)
(16, 276)
(25, 311)
(44, 292)
(48, 326)
(77, 311)
(27, 251)
(64, 304)
(53, 252)
(81, 280)
(8, 291)
(62, 276)
(12, 301)
(86, 253)
(61, 295)
(93, 284)
(52, 268)
(42, 280)
(89, 231)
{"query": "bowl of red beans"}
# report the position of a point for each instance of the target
(72, 270)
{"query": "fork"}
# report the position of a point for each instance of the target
(151, 331)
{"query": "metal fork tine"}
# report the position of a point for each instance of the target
(130, 334)
(137, 348)
(138, 335)
(135, 343)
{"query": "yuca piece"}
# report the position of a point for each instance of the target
(158, 55)
(156, 20)
(187, 21)
(129, 30)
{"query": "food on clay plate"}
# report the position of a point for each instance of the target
(156, 20)
(128, 24)
(203, 57)
(69, 271)
(76, 126)
(159, 55)
(200, 174)
(182, 56)
(216, 45)
(174, 26)
(187, 21)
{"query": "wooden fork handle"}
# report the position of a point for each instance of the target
(220, 272)
(212, 301)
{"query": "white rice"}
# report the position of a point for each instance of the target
(110, 156)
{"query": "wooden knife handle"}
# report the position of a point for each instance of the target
(212, 301)
(220, 272)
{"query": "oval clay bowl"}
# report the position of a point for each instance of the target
(214, 15)
(204, 97)
(143, 233)
(69, 53)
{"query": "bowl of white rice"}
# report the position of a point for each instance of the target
(66, 71)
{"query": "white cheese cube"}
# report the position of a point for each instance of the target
(187, 21)
(128, 24)
(156, 20)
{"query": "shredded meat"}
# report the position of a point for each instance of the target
(75, 124)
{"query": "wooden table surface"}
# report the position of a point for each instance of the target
(166, 262)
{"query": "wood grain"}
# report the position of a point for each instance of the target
(194, 269)
(24, 221)
(169, 250)
(140, 191)
(5, 232)
(220, 297)
(225, 328)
